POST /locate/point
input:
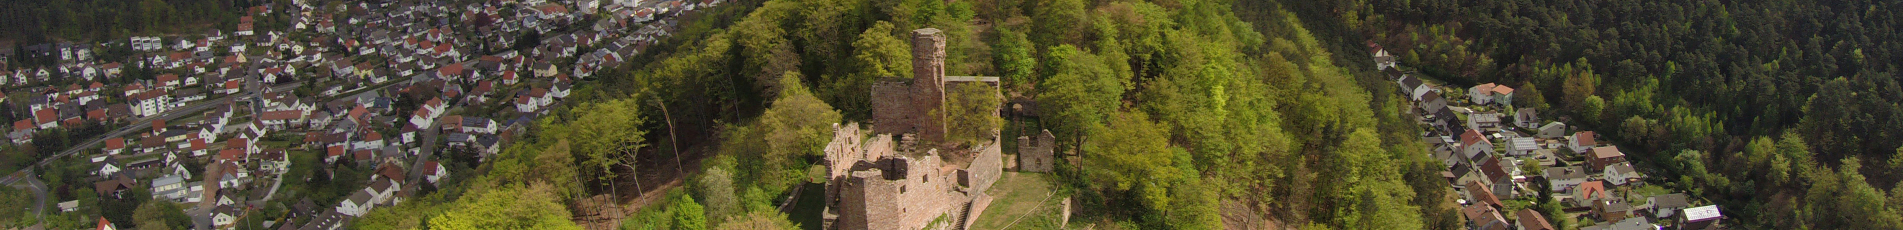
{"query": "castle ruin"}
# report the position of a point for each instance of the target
(877, 182)
(1036, 154)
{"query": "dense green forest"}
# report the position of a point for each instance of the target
(1783, 112)
(1184, 113)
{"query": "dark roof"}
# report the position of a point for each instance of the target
(1675, 200)
(360, 198)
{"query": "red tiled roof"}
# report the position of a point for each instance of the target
(1472, 137)
(231, 155)
(337, 150)
(116, 143)
(1502, 89)
(282, 115)
(1606, 152)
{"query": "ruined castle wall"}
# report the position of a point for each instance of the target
(844, 149)
(928, 74)
(986, 167)
(892, 111)
(1036, 154)
(929, 191)
(875, 204)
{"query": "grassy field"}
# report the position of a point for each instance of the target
(1024, 198)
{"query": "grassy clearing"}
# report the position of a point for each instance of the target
(1020, 197)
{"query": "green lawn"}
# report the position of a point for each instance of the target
(1020, 197)
(809, 211)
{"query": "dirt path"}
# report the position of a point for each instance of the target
(1236, 215)
(594, 214)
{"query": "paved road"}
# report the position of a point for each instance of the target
(31, 184)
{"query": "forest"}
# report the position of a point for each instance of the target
(1185, 114)
(1781, 111)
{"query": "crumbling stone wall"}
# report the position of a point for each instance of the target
(876, 206)
(892, 108)
(879, 183)
(902, 107)
(1036, 154)
(874, 187)
(928, 79)
(985, 168)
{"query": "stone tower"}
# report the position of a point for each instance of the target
(928, 83)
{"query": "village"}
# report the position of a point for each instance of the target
(311, 122)
(1503, 160)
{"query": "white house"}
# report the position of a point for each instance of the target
(1551, 130)
(1522, 146)
(434, 171)
(1581, 142)
(1560, 179)
(1474, 146)
(357, 205)
(224, 215)
(1622, 174)
(1526, 118)
(1490, 93)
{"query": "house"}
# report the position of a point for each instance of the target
(1665, 206)
(274, 162)
(1522, 146)
(334, 153)
(434, 172)
(114, 186)
(357, 205)
(1490, 93)
(22, 131)
(1481, 94)
(231, 175)
(477, 125)
(152, 102)
(1582, 142)
(68, 206)
(1612, 210)
(1474, 146)
(1559, 179)
(389, 171)
(1479, 194)
(170, 187)
(1626, 224)
(1465, 174)
(1622, 173)
(105, 225)
(1484, 217)
(224, 216)
(384, 190)
(115, 145)
(1603, 157)
(1500, 174)
(1431, 101)
(1502, 95)
(1551, 130)
(1586, 193)
(47, 117)
(1532, 220)
(1702, 217)
(1526, 118)
(1382, 60)
(107, 167)
(1484, 121)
